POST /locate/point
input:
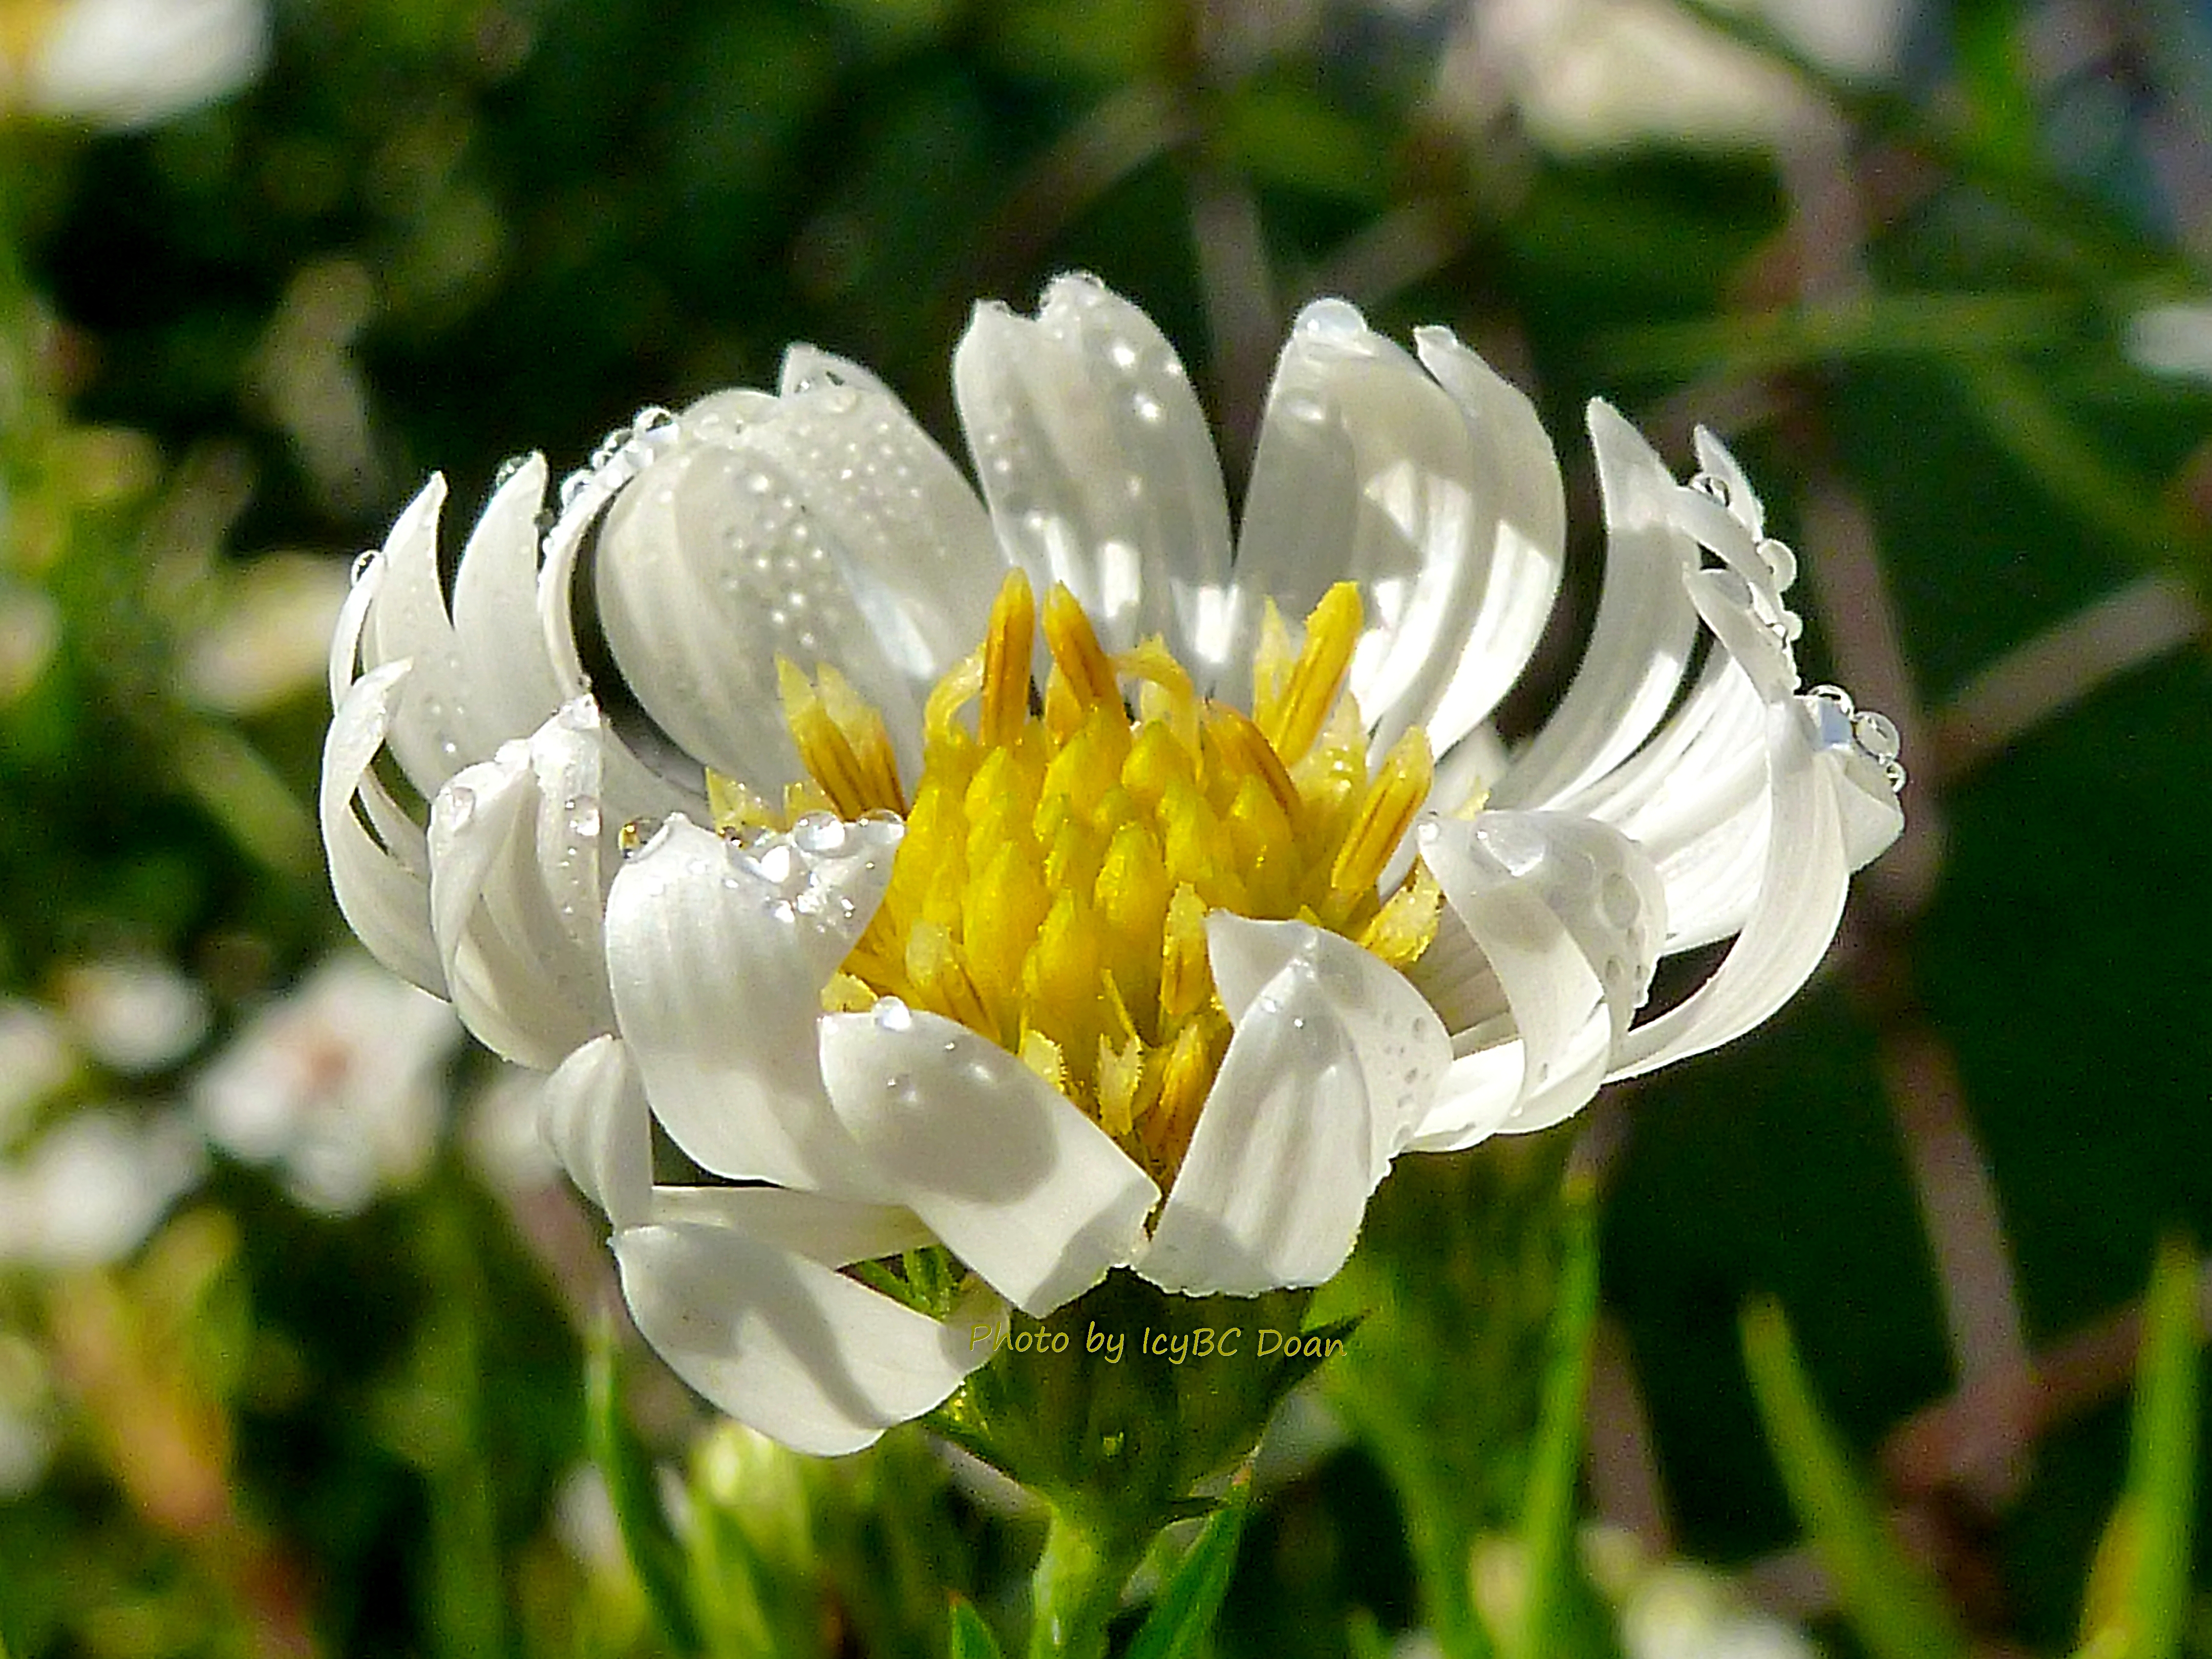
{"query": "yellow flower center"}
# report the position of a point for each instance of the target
(1058, 863)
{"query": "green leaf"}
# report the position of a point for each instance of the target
(1184, 1612)
(1547, 1526)
(2138, 1600)
(971, 1638)
(1891, 1604)
(655, 1555)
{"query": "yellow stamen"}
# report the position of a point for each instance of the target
(1393, 801)
(1292, 721)
(1076, 651)
(855, 778)
(1007, 645)
(734, 807)
(1052, 889)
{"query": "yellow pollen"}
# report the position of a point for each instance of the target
(1052, 888)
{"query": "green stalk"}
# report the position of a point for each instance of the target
(1076, 1586)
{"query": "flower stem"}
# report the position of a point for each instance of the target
(1077, 1586)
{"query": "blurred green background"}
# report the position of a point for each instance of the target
(1937, 272)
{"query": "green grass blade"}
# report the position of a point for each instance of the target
(1183, 1614)
(655, 1555)
(2138, 1602)
(1547, 1529)
(1895, 1610)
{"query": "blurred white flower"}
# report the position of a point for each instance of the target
(270, 638)
(133, 1014)
(338, 1084)
(1602, 74)
(2172, 339)
(127, 64)
(91, 1188)
(36, 1058)
(1150, 948)
(1680, 1612)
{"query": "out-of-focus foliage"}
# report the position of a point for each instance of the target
(290, 1306)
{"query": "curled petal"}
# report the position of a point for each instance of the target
(511, 688)
(1095, 458)
(1281, 1166)
(710, 568)
(514, 892)
(1800, 900)
(1523, 551)
(1004, 1168)
(1368, 469)
(1640, 645)
(1569, 914)
(592, 1113)
(717, 958)
(786, 1346)
(407, 622)
(384, 897)
(1401, 1046)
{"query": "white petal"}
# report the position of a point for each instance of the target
(514, 892)
(1402, 1047)
(1695, 799)
(919, 554)
(629, 789)
(1800, 900)
(1569, 914)
(1281, 1166)
(833, 1232)
(1004, 1168)
(1521, 564)
(430, 735)
(1098, 464)
(709, 567)
(495, 611)
(1368, 469)
(1743, 502)
(386, 903)
(592, 1115)
(717, 959)
(1641, 642)
(790, 1347)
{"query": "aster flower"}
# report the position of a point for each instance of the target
(1031, 877)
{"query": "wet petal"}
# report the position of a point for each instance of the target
(1569, 914)
(1276, 1179)
(385, 901)
(1800, 900)
(1640, 645)
(1098, 467)
(717, 959)
(1401, 1046)
(430, 733)
(514, 892)
(512, 688)
(1002, 1166)
(786, 1346)
(1367, 470)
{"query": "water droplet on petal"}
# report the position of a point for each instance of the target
(893, 1015)
(364, 564)
(822, 834)
(507, 468)
(1876, 734)
(1780, 560)
(1712, 484)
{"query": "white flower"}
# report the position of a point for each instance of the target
(1122, 963)
(130, 64)
(91, 1188)
(337, 1084)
